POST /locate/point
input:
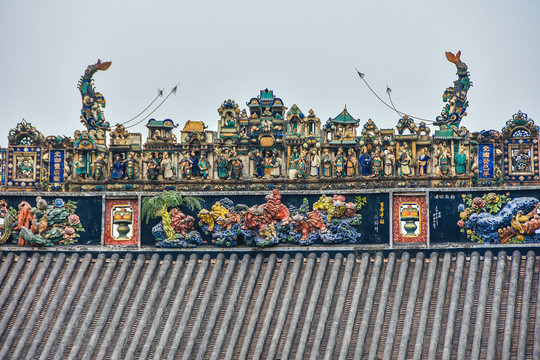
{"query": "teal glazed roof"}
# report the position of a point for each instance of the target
(265, 99)
(391, 305)
(162, 124)
(447, 134)
(267, 94)
(344, 118)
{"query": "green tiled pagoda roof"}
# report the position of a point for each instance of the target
(267, 94)
(447, 134)
(167, 123)
(344, 118)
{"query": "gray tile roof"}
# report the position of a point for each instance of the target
(353, 305)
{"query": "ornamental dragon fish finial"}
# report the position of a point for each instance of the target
(456, 96)
(93, 102)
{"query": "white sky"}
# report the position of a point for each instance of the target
(306, 51)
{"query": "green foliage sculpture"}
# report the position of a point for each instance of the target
(157, 206)
(175, 228)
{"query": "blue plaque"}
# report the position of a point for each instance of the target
(486, 161)
(56, 171)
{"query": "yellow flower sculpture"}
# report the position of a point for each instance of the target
(492, 198)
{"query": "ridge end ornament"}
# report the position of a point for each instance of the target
(455, 96)
(93, 102)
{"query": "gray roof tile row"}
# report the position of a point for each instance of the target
(394, 305)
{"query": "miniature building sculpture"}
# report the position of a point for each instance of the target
(268, 142)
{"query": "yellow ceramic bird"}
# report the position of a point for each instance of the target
(518, 220)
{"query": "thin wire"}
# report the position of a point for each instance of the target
(390, 106)
(160, 93)
(388, 91)
(157, 107)
(412, 117)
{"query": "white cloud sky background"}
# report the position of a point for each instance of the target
(306, 52)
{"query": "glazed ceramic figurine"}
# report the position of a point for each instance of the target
(117, 170)
(129, 165)
(166, 167)
(97, 167)
(157, 136)
(204, 166)
(423, 161)
(80, 168)
(405, 161)
(276, 165)
(389, 162)
(301, 166)
(222, 164)
(455, 96)
(461, 161)
(93, 102)
(293, 163)
(339, 164)
(185, 164)
(194, 159)
(326, 164)
(377, 162)
(268, 161)
(152, 167)
(236, 166)
(444, 160)
(258, 164)
(350, 163)
(365, 162)
(315, 163)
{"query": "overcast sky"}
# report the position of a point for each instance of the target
(306, 52)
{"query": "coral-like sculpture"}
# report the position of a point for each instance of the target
(341, 219)
(176, 230)
(332, 220)
(222, 221)
(42, 225)
(259, 225)
(496, 219)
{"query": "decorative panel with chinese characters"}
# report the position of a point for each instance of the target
(486, 161)
(56, 163)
